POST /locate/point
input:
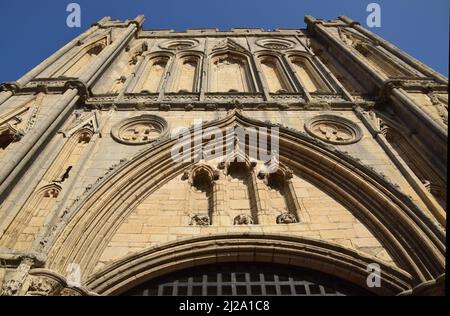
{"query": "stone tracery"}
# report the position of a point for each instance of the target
(140, 130)
(230, 73)
(333, 129)
(277, 77)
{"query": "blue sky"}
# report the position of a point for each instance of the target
(32, 30)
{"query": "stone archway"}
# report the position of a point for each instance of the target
(341, 263)
(406, 232)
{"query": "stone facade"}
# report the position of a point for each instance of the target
(93, 204)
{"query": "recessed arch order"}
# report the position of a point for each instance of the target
(415, 242)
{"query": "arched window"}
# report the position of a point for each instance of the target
(81, 61)
(186, 74)
(307, 74)
(241, 191)
(273, 74)
(153, 75)
(230, 73)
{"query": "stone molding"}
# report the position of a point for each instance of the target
(344, 176)
(329, 258)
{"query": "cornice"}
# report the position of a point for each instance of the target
(218, 33)
(218, 101)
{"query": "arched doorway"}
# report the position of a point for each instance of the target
(245, 279)
(297, 260)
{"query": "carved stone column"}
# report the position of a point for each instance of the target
(291, 198)
(254, 198)
(204, 70)
(260, 77)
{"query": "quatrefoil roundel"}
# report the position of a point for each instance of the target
(140, 130)
(333, 129)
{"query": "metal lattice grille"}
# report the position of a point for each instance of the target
(244, 279)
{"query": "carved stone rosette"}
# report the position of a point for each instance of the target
(140, 130)
(333, 129)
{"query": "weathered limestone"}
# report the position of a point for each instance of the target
(92, 202)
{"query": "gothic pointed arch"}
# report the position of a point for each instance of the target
(153, 72)
(306, 73)
(231, 69)
(23, 230)
(186, 73)
(413, 241)
(85, 54)
(279, 180)
(274, 73)
(239, 169)
(203, 191)
(228, 44)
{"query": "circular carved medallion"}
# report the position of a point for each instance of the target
(278, 43)
(333, 129)
(140, 130)
(179, 44)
